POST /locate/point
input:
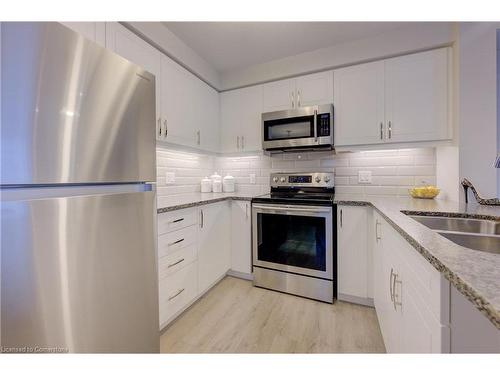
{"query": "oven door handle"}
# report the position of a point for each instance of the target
(272, 209)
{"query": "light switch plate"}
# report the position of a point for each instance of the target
(170, 177)
(365, 177)
(252, 178)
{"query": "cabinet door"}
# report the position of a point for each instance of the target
(352, 224)
(214, 257)
(208, 118)
(359, 104)
(128, 45)
(180, 95)
(241, 248)
(279, 95)
(95, 31)
(416, 97)
(241, 112)
(315, 89)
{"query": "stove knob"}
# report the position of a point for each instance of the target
(318, 179)
(275, 179)
(282, 179)
(327, 179)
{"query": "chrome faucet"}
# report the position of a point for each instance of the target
(466, 184)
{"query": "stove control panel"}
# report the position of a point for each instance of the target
(306, 179)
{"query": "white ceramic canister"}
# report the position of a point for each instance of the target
(228, 184)
(206, 185)
(217, 186)
(216, 177)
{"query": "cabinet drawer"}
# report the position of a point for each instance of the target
(173, 241)
(174, 262)
(176, 291)
(175, 220)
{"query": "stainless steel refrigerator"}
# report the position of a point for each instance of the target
(78, 258)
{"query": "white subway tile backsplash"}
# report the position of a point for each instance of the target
(393, 171)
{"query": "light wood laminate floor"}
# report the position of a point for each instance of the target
(236, 317)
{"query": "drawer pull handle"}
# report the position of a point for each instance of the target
(176, 294)
(178, 220)
(176, 263)
(176, 242)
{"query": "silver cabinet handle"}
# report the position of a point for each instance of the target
(177, 220)
(166, 128)
(246, 210)
(390, 130)
(242, 141)
(377, 236)
(176, 242)
(201, 219)
(391, 285)
(341, 221)
(395, 299)
(315, 124)
(381, 130)
(298, 98)
(198, 135)
(176, 294)
(293, 101)
(238, 142)
(176, 263)
(159, 127)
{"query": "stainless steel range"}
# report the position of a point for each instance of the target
(294, 236)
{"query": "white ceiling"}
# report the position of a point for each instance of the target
(234, 45)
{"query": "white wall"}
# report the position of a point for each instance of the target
(414, 37)
(162, 38)
(477, 112)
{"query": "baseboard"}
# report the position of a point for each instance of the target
(240, 275)
(356, 300)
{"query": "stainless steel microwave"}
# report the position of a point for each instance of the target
(301, 128)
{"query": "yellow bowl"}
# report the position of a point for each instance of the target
(424, 192)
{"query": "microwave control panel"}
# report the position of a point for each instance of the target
(323, 123)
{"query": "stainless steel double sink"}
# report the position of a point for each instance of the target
(476, 234)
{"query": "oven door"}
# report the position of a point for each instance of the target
(293, 238)
(302, 127)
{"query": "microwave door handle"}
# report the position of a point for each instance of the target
(315, 124)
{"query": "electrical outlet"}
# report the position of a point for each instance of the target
(170, 177)
(365, 177)
(252, 178)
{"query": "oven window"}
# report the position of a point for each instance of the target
(291, 240)
(290, 128)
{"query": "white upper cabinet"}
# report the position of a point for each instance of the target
(279, 95)
(128, 45)
(315, 89)
(189, 108)
(359, 104)
(95, 31)
(416, 97)
(399, 100)
(241, 112)
(311, 89)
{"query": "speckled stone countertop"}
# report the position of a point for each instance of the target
(177, 202)
(475, 274)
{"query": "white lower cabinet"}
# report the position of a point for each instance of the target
(214, 253)
(193, 254)
(411, 297)
(241, 237)
(352, 254)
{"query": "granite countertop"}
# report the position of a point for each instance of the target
(475, 274)
(177, 202)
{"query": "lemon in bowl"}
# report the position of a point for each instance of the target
(424, 192)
